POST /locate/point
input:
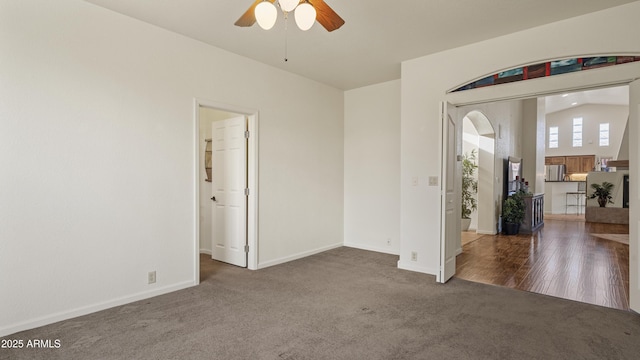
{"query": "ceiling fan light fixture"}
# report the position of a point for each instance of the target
(266, 15)
(305, 16)
(288, 5)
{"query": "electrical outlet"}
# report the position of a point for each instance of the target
(433, 181)
(151, 278)
(414, 256)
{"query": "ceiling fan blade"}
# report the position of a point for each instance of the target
(249, 17)
(326, 16)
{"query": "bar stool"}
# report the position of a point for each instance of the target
(579, 196)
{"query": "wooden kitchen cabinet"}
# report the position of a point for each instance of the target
(573, 164)
(554, 160)
(576, 164)
(588, 162)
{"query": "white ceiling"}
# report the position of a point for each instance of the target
(368, 49)
(609, 96)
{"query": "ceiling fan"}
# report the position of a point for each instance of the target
(325, 15)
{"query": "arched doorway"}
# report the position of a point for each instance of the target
(479, 136)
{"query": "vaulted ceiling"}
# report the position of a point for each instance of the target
(368, 49)
(618, 95)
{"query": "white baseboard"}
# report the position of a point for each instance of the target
(69, 314)
(384, 250)
(486, 232)
(297, 256)
(459, 251)
(205, 251)
(417, 268)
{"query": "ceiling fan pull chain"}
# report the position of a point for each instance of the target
(286, 40)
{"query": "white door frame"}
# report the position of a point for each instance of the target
(571, 82)
(634, 197)
(252, 179)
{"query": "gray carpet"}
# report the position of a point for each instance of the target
(342, 304)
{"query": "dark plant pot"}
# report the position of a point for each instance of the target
(511, 228)
(602, 202)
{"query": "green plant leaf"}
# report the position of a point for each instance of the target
(469, 184)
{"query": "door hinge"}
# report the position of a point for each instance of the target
(246, 192)
(246, 248)
(246, 134)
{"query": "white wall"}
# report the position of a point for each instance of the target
(506, 118)
(623, 152)
(207, 117)
(540, 185)
(97, 146)
(372, 167)
(426, 80)
(617, 193)
(533, 145)
(592, 115)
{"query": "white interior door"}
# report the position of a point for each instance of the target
(228, 184)
(634, 195)
(450, 193)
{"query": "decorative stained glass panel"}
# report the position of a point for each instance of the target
(550, 68)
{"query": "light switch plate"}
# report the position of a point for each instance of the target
(433, 181)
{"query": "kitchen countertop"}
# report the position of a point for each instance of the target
(568, 181)
(558, 194)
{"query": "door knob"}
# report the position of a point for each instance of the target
(213, 198)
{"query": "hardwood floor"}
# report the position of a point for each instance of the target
(562, 259)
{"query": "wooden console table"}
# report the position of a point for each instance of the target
(534, 214)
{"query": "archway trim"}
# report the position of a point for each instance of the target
(546, 69)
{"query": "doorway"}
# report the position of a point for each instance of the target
(206, 113)
(577, 237)
(478, 141)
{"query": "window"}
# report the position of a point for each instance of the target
(604, 134)
(553, 137)
(577, 132)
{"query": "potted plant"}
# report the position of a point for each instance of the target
(513, 212)
(469, 188)
(602, 192)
